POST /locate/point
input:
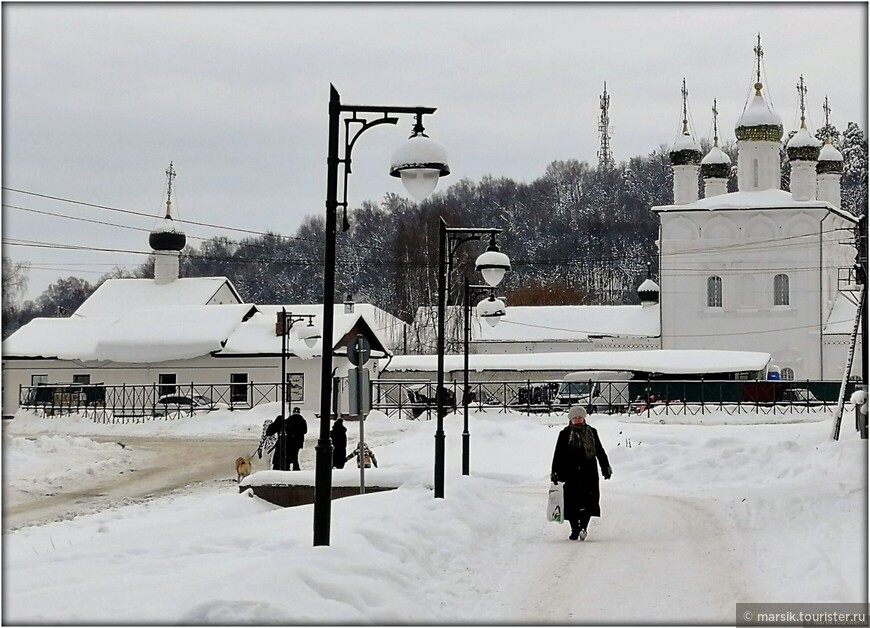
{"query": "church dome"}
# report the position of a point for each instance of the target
(803, 146)
(685, 150)
(648, 291)
(830, 160)
(716, 164)
(167, 237)
(759, 122)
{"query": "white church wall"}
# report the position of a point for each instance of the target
(738, 246)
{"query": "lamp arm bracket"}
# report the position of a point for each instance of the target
(365, 125)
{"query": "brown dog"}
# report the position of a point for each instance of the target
(243, 467)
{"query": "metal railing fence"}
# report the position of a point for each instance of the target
(416, 398)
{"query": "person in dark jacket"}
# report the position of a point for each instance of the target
(338, 433)
(577, 449)
(287, 449)
(297, 427)
(277, 428)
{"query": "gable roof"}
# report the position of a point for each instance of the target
(257, 335)
(117, 296)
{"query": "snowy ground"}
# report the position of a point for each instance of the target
(696, 518)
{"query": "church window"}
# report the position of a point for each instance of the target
(714, 291)
(787, 373)
(780, 290)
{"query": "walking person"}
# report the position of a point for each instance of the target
(277, 429)
(297, 427)
(574, 463)
(338, 434)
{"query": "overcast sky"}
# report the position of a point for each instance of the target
(99, 98)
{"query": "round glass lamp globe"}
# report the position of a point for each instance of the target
(420, 182)
(493, 265)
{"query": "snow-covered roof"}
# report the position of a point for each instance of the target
(141, 335)
(665, 361)
(716, 156)
(760, 199)
(648, 285)
(841, 320)
(570, 322)
(164, 332)
(257, 334)
(117, 296)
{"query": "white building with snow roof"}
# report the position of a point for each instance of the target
(760, 269)
(179, 335)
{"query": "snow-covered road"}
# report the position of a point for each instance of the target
(658, 557)
(696, 519)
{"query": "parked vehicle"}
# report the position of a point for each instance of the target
(595, 390)
(184, 404)
(799, 396)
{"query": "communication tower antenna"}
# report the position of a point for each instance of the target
(605, 158)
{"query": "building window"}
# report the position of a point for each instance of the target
(755, 173)
(714, 291)
(167, 384)
(82, 378)
(780, 290)
(239, 387)
(787, 373)
(36, 380)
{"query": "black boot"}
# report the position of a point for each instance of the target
(575, 531)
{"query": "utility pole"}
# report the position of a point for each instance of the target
(605, 158)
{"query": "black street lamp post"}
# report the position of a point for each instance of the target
(470, 291)
(493, 265)
(419, 163)
(283, 325)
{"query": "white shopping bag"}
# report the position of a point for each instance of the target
(555, 503)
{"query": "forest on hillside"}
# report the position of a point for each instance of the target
(577, 234)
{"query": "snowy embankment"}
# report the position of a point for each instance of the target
(695, 519)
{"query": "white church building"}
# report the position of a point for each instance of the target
(759, 269)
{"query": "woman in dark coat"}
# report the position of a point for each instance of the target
(339, 444)
(577, 449)
(280, 459)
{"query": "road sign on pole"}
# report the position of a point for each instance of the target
(359, 351)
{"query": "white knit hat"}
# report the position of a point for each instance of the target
(576, 411)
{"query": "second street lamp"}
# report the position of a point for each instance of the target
(420, 154)
(492, 315)
(493, 264)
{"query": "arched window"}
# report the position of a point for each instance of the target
(780, 290)
(714, 291)
(787, 373)
(755, 173)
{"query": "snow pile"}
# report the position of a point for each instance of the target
(695, 519)
(33, 467)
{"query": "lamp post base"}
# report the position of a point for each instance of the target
(439, 463)
(322, 491)
(466, 444)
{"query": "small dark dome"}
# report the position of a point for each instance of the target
(803, 146)
(167, 237)
(648, 291)
(685, 151)
(830, 160)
